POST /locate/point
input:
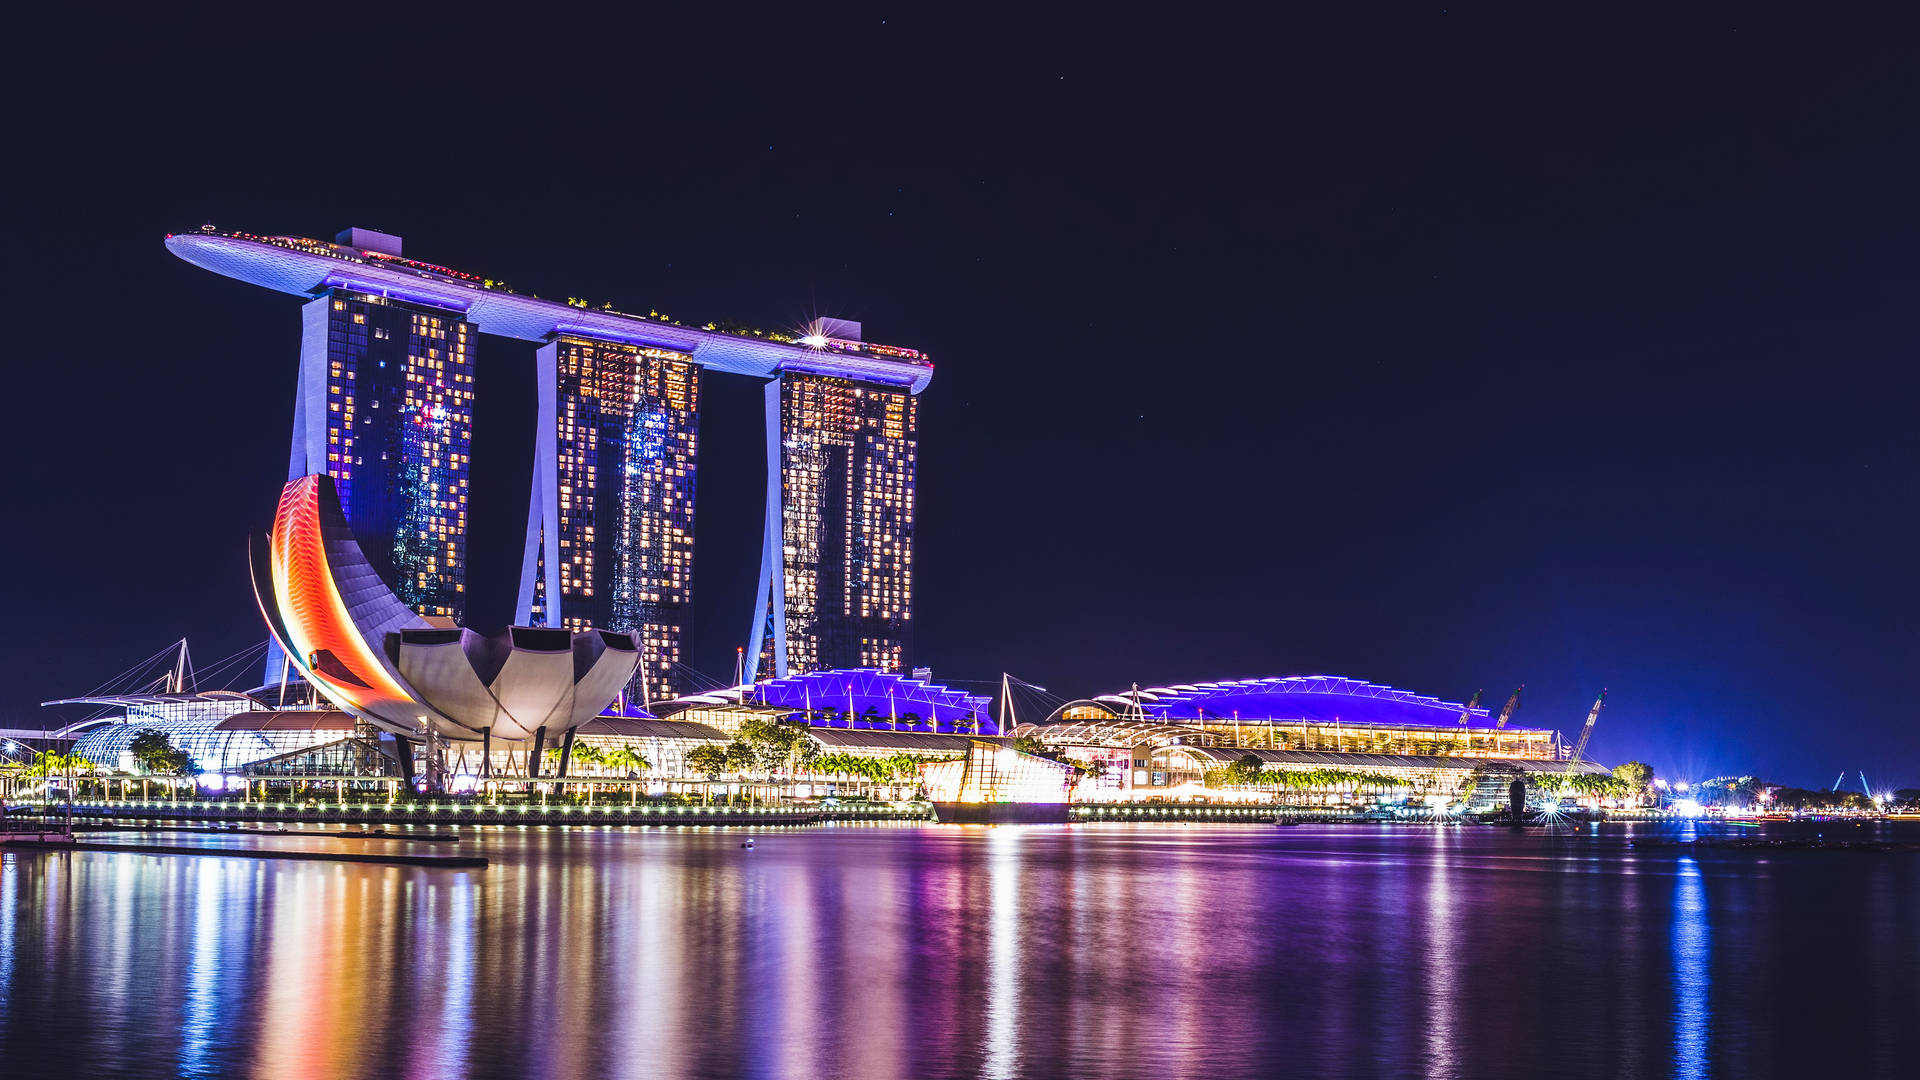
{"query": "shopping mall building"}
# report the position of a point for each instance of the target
(1317, 738)
(1313, 733)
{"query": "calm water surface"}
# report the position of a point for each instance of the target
(889, 951)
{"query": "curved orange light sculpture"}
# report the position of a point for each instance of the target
(378, 659)
(328, 646)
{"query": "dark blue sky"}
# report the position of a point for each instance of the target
(1445, 347)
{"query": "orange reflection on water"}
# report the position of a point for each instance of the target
(879, 952)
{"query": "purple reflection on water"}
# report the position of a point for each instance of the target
(883, 951)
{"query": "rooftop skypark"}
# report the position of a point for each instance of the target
(372, 262)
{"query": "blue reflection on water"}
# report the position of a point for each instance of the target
(1691, 976)
(202, 1010)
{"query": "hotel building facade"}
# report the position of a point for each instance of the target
(836, 573)
(385, 407)
(610, 527)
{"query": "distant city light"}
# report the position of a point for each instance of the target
(1688, 808)
(1679, 785)
(814, 341)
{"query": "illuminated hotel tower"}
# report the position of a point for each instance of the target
(610, 528)
(385, 407)
(836, 573)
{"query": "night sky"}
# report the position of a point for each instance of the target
(1445, 347)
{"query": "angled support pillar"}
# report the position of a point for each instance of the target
(486, 753)
(566, 753)
(533, 756)
(543, 509)
(307, 453)
(403, 753)
(770, 603)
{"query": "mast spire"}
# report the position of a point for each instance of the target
(177, 682)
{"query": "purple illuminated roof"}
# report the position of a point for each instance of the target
(1317, 698)
(857, 698)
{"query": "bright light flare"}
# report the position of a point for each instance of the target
(1688, 808)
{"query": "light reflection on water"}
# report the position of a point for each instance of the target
(1003, 952)
(202, 1014)
(1692, 975)
(856, 951)
(1441, 965)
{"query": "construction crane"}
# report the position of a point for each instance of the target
(1513, 703)
(1466, 714)
(1586, 731)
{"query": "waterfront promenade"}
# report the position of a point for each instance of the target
(428, 812)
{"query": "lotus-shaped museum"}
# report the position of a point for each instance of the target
(371, 655)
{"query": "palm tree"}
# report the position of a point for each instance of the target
(627, 761)
(625, 758)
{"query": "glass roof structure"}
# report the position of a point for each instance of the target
(218, 739)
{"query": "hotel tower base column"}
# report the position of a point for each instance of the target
(770, 603)
(540, 560)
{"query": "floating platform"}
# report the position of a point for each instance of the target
(30, 839)
(237, 830)
(1000, 813)
(446, 861)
